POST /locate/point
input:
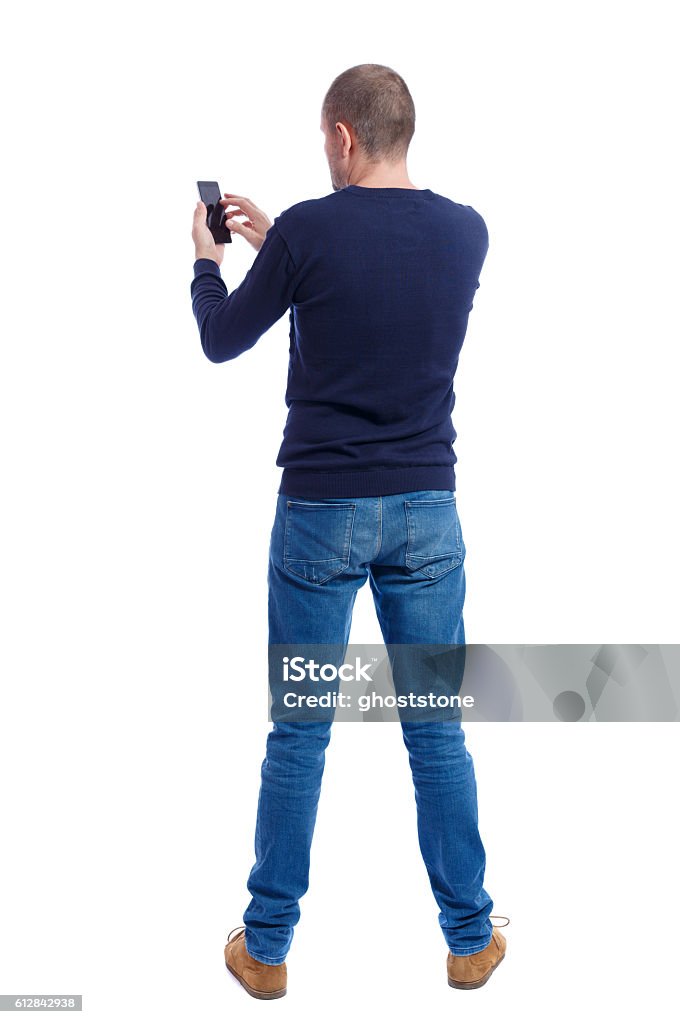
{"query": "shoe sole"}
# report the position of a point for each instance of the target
(476, 984)
(253, 991)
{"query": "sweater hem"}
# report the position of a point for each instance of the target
(367, 483)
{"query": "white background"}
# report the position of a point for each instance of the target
(139, 484)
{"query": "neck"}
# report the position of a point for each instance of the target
(381, 176)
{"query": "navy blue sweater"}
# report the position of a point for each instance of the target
(379, 284)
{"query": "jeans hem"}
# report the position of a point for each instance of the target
(270, 960)
(471, 950)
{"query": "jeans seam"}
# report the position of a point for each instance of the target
(380, 517)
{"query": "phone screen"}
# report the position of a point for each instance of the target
(210, 194)
(209, 191)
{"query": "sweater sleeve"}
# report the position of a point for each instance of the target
(230, 323)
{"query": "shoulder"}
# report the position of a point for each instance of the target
(307, 212)
(464, 216)
(475, 225)
(476, 217)
(479, 225)
(465, 212)
(303, 224)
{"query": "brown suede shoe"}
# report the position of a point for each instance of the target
(474, 970)
(263, 981)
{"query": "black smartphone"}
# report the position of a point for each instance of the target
(210, 194)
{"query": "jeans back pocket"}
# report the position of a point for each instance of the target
(434, 544)
(317, 539)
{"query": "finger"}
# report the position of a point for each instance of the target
(200, 213)
(234, 224)
(251, 236)
(242, 201)
(230, 214)
(235, 213)
(247, 232)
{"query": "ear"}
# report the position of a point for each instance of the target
(346, 139)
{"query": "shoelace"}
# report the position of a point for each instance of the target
(241, 928)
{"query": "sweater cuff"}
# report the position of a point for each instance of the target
(203, 266)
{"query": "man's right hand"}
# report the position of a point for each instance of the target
(254, 227)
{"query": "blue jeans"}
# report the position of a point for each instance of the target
(410, 547)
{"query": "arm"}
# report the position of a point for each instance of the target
(231, 323)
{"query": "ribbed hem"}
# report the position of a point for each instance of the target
(368, 483)
(205, 265)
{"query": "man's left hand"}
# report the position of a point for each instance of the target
(206, 247)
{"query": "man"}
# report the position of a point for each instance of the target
(379, 277)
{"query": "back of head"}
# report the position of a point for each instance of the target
(375, 101)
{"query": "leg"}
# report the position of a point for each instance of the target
(314, 575)
(286, 815)
(418, 586)
(446, 802)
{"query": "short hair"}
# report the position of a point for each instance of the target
(376, 102)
